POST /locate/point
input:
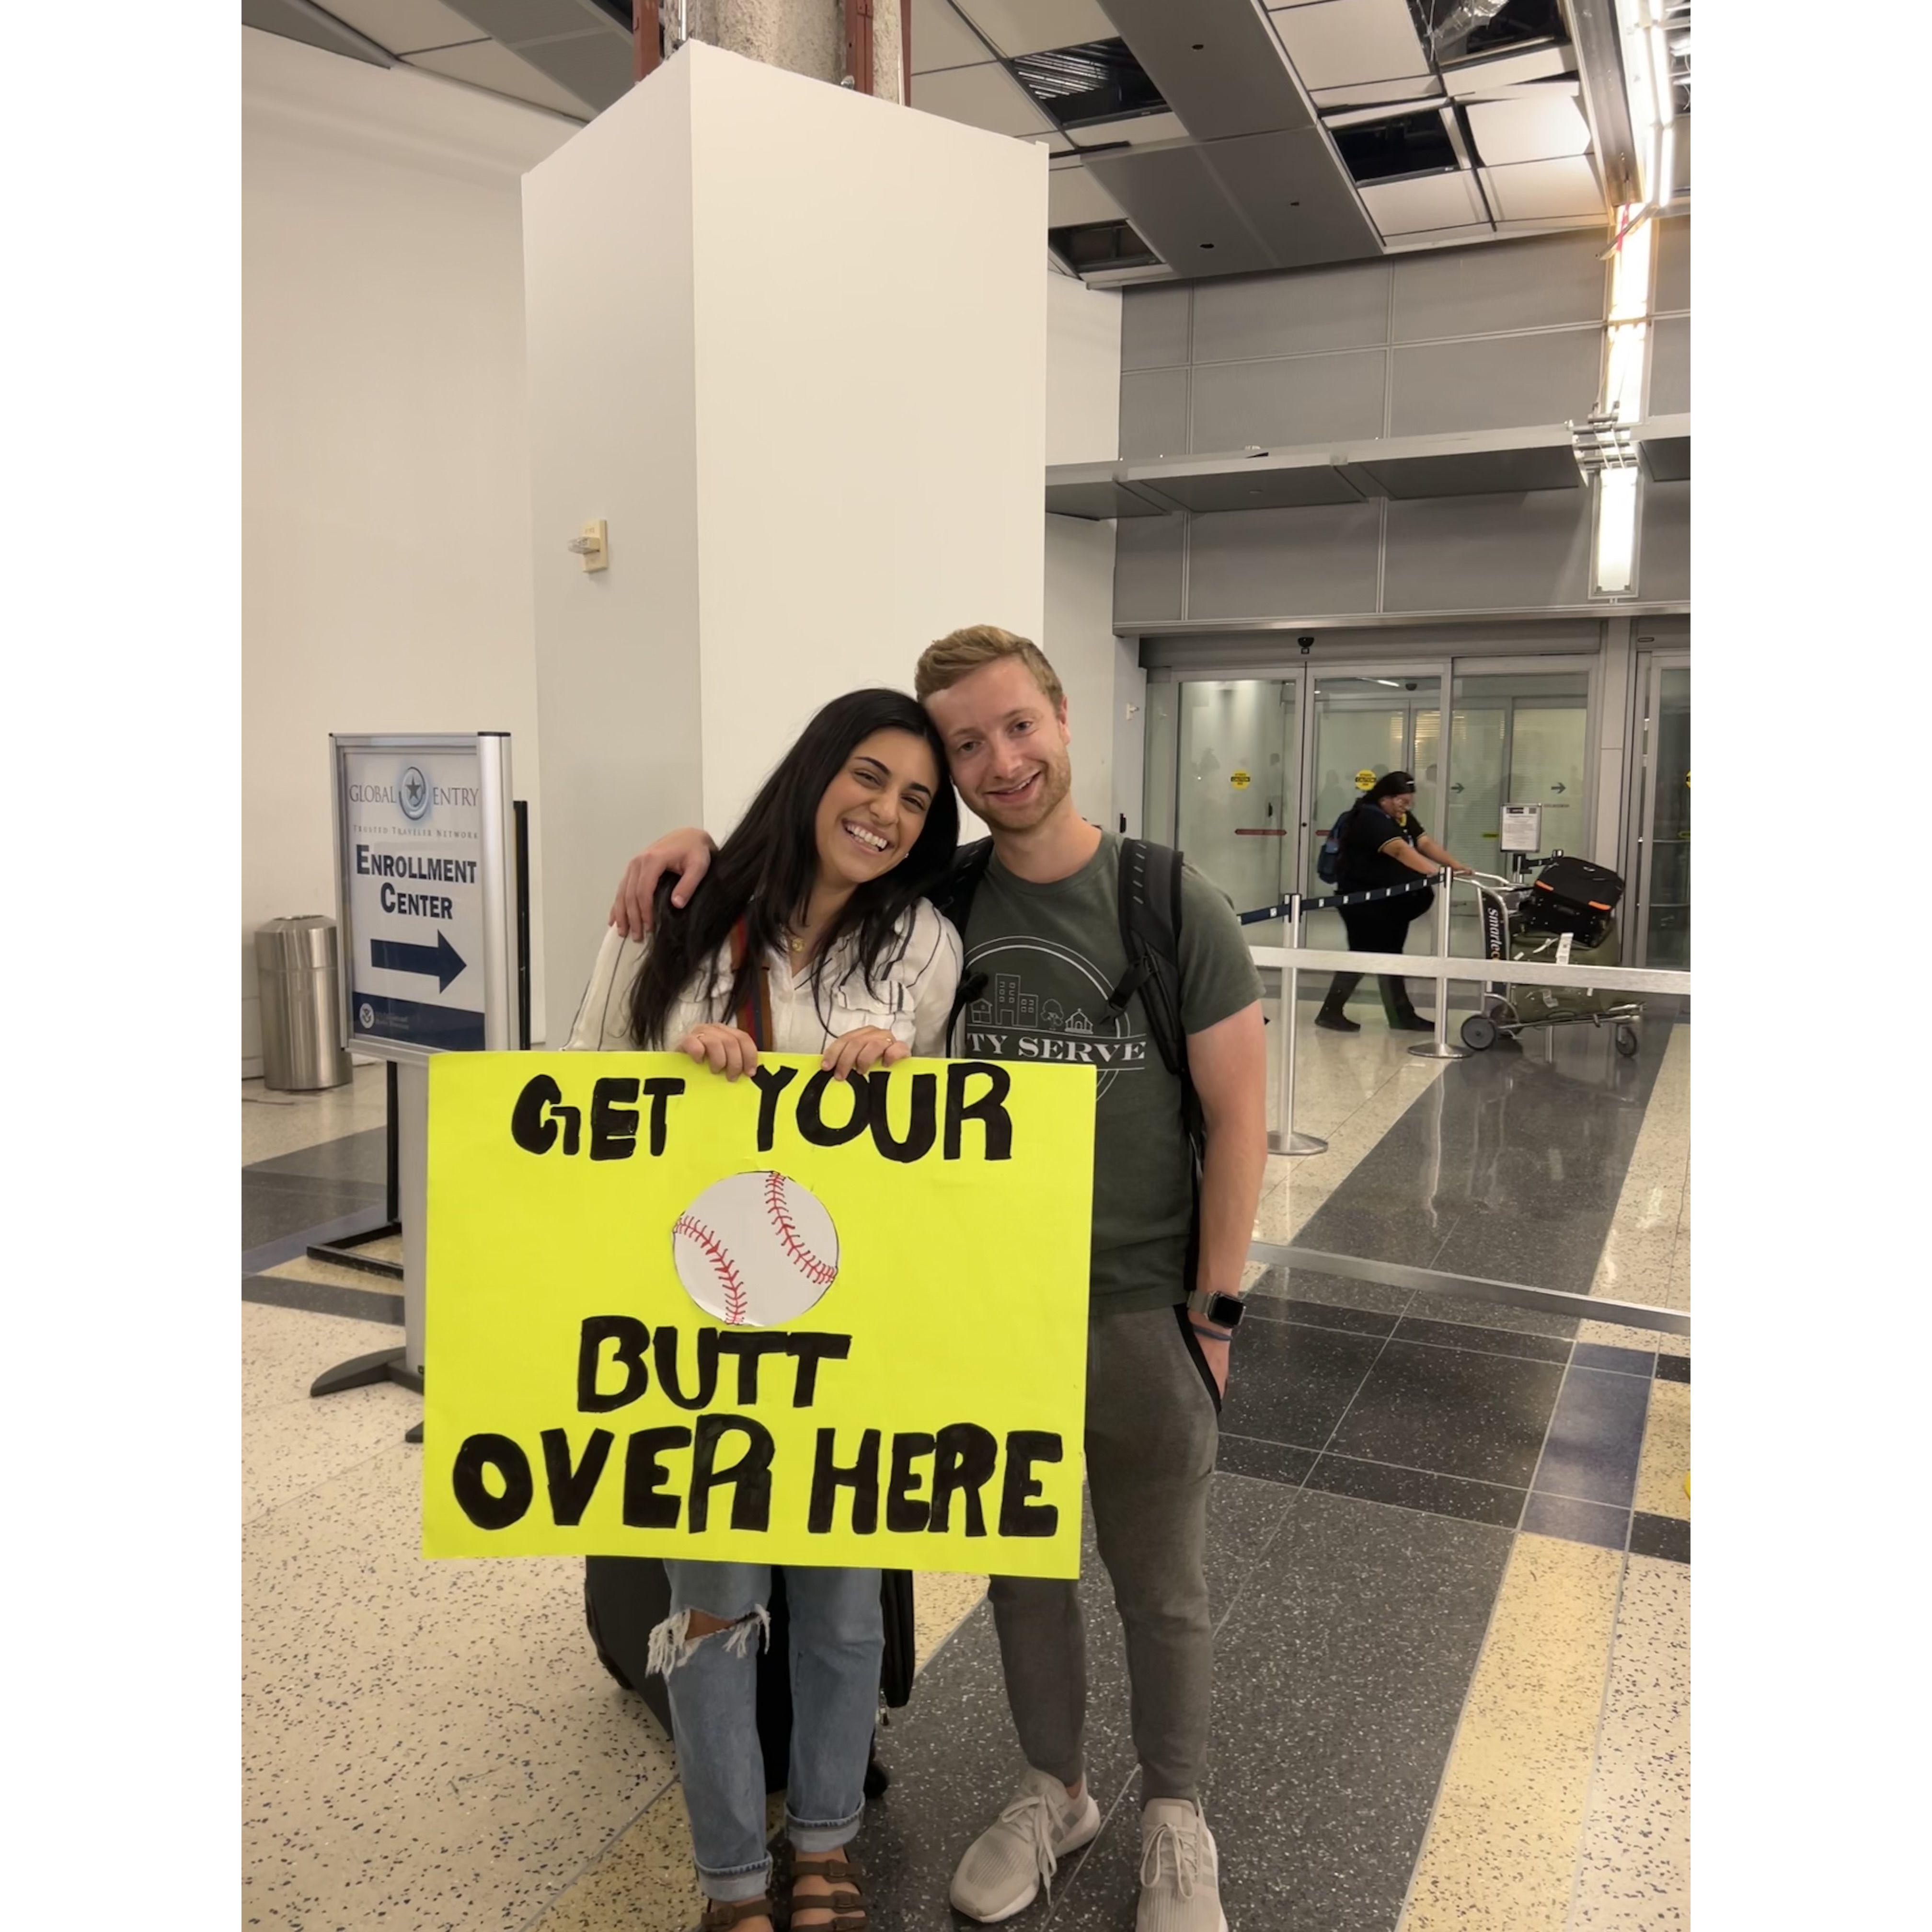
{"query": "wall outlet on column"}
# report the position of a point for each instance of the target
(592, 546)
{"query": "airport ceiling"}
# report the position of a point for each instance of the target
(1187, 137)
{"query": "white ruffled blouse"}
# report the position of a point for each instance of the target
(911, 998)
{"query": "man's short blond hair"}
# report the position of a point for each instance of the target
(943, 664)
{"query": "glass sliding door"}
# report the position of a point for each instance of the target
(1663, 871)
(1363, 724)
(1517, 737)
(1237, 787)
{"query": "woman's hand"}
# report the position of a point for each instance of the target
(724, 1049)
(862, 1049)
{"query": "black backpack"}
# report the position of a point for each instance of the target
(1150, 897)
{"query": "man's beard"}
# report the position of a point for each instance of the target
(1056, 781)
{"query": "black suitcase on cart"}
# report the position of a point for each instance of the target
(626, 1597)
(1572, 895)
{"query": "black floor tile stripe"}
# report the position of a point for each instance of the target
(1596, 1437)
(1666, 1536)
(1673, 1368)
(323, 1297)
(1505, 1167)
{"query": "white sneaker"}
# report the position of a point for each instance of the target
(1005, 1865)
(1180, 1871)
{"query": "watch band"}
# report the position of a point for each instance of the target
(1224, 1311)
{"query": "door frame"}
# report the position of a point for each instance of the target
(1647, 687)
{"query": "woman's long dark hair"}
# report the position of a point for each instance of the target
(765, 870)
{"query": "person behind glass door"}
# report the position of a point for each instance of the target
(1383, 844)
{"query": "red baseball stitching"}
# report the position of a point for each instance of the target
(818, 1272)
(722, 1265)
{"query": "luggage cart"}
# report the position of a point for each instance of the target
(1530, 920)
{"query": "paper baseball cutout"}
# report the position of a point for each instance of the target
(755, 1250)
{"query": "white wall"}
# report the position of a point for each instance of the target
(1083, 425)
(818, 439)
(872, 432)
(386, 481)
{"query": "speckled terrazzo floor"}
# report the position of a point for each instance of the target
(1449, 1563)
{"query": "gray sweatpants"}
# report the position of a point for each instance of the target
(1151, 1437)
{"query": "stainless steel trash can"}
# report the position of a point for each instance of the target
(298, 963)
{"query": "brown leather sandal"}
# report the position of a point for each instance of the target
(847, 1903)
(721, 1914)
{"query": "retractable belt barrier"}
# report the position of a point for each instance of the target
(1293, 958)
(1281, 909)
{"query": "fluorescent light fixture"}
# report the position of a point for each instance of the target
(1393, 683)
(1630, 273)
(1666, 168)
(1613, 567)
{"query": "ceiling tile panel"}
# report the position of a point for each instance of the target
(1378, 93)
(940, 38)
(1142, 131)
(312, 28)
(485, 64)
(1491, 76)
(599, 68)
(1073, 197)
(1216, 62)
(1029, 26)
(1294, 196)
(1343, 43)
(1433, 201)
(981, 96)
(1535, 126)
(1545, 190)
(512, 21)
(1180, 209)
(406, 26)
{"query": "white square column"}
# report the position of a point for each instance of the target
(790, 342)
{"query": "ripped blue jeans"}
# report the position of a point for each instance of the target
(837, 1641)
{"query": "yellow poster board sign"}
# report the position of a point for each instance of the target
(780, 1319)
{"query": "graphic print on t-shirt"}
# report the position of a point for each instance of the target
(1047, 1002)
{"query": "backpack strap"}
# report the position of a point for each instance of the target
(953, 896)
(1150, 906)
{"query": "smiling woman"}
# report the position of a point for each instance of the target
(810, 934)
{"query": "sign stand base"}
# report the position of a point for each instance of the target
(342, 1252)
(385, 1365)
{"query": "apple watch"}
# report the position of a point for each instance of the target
(1221, 1311)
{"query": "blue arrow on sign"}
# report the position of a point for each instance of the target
(442, 960)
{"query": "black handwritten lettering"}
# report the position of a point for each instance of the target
(770, 1082)
(571, 1488)
(989, 1110)
(534, 1118)
(1019, 1515)
(811, 1350)
(750, 1350)
(665, 1350)
(812, 1122)
(962, 1466)
(660, 1093)
(862, 1478)
(632, 1339)
(613, 1121)
(645, 1507)
(486, 1510)
(905, 1511)
(922, 1129)
(750, 1476)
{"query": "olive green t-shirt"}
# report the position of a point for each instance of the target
(1051, 954)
